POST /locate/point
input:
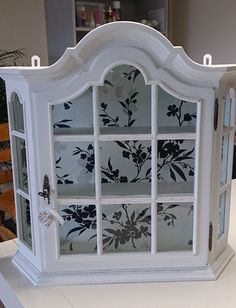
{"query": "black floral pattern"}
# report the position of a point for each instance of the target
(175, 159)
(177, 112)
(127, 231)
(125, 226)
(62, 179)
(87, 155)
(84, 216)
(126, 105)
(62, 124)
(132, 74)
(138, 155)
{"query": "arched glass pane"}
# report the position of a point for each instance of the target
(228, 109)
(124, 102)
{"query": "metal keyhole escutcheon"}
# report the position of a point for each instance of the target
(46, 189)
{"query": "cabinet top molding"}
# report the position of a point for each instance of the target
(124, 42)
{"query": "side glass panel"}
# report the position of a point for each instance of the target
(126, 167)
(175, 166)
(22, 176)
(78, 233)
(221, 220)
(17, 114)
(124, 102)
(74, 164)
(175, 115)
(25, 221)
(174, 226)
(126, 227)
(227, 111)
(224, 160)
(75, 116)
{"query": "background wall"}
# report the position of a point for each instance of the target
(202, 26)
(22, 25)
(205, 26)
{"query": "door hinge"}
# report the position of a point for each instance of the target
(216, 112)
(210, 236)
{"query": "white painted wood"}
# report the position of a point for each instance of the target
(84, 67)
(97, 155)
(154, 125)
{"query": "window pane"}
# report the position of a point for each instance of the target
(75, 116)
(78, 233)
(21, 161)
(126, 227)
(224, 160)
(125, 102)
(221, 219)
(25, 220)
(126, 167)
(175, 166)
(174, 226)
(18, 115)
(227, 111)
(175, 115)
(74, 162)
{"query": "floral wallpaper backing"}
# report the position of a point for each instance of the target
(125, 106)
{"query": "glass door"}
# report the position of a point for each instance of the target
(126, 165)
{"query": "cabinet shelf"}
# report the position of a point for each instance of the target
(84, 29)
(124, 192)
(123, 133)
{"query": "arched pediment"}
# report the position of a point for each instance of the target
(110, 39)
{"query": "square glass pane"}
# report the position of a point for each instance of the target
(78, 233)
(74, 165)
(25, 220)
(175, 115)
(126, 227)
(175, 166)
(221, 219)
(21, 161)
(17, 114)
(126, 168)
(174, 226)
(124, 102)
(224, 160)
(75, 116)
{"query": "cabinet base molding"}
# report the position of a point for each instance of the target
(210, 272)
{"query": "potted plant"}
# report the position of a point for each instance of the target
(7, 58)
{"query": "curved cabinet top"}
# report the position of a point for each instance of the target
(124, 42)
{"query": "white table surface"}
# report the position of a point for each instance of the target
(212, 294)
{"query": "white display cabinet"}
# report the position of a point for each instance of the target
(122, 154)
